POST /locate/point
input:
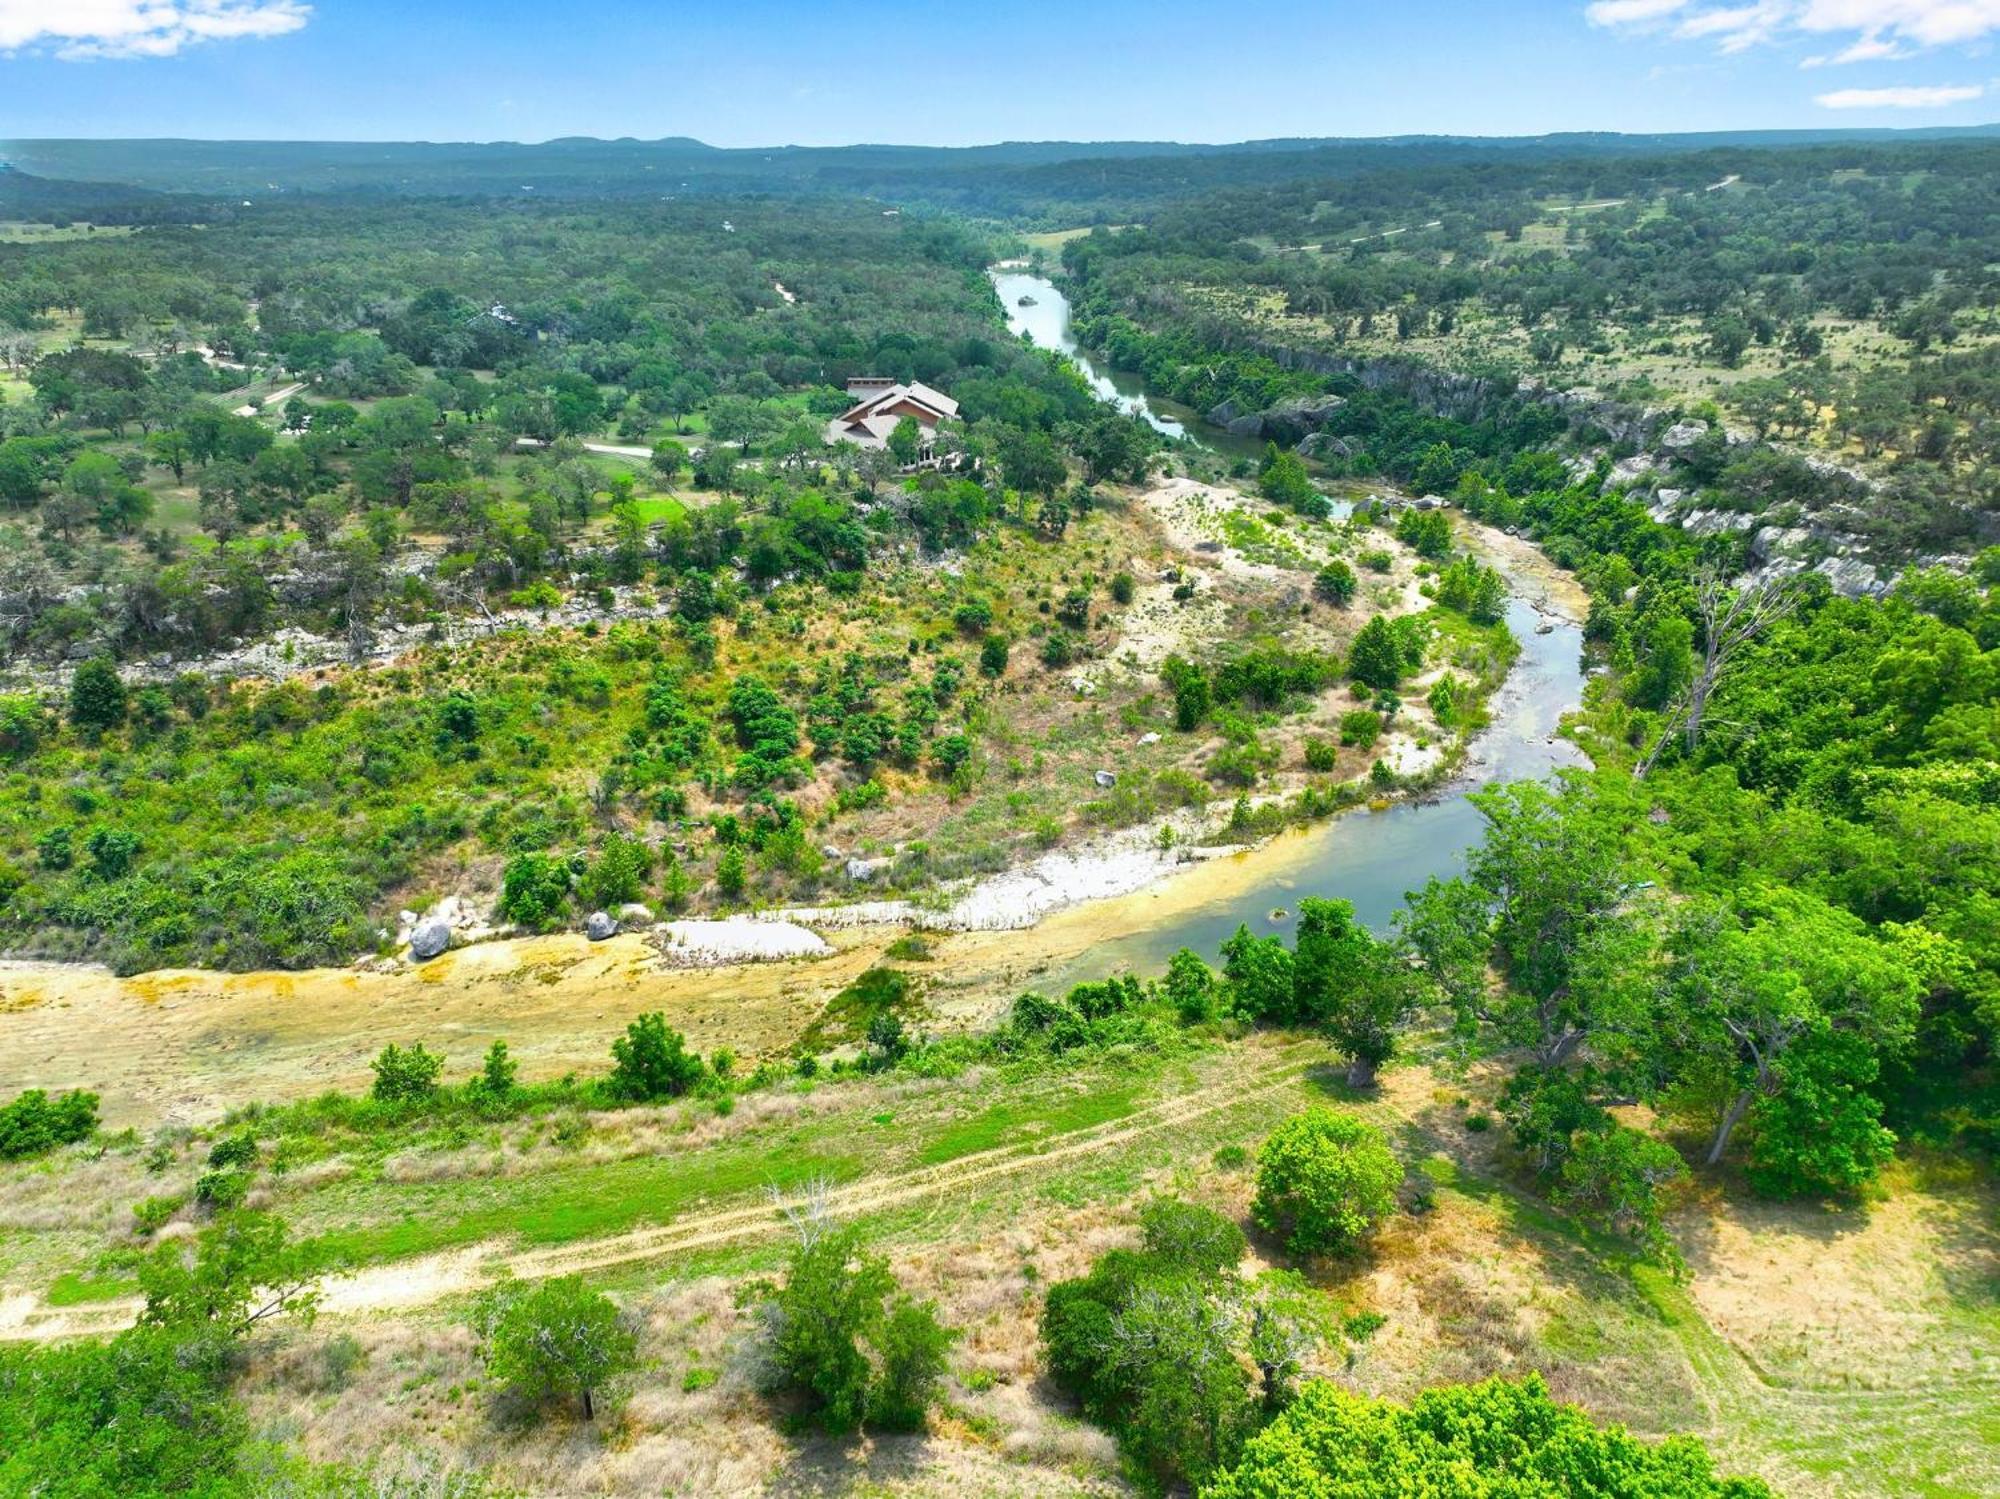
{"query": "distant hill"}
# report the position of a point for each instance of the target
(1055, 181)
(50, 199)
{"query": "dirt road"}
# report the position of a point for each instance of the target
(406, 1284)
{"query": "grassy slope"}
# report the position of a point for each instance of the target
(988, 1185)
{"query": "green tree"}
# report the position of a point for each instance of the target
(1614, 1177)
(1496, 1440)
(1031, 462)
(1753, 978)
(169, 448)
(1548, 897)
(96, 695)
(1324, 1180)
(1818, 1130)
(670, 461)
(1358, 987)
(148, 1412)
(243, 1269)
(1425, 532)
(1259, 970)
(652, 1062)
(556, 1340)
(1376, 658)
(834, 1334)
(905, 439)
(1282, 477)
(496, 1073)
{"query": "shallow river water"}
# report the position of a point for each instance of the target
(1372, 858)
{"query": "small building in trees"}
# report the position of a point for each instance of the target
(881, 403)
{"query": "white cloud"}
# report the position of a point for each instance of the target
(1865, 49)
(82, 30)
(1909, 97)
(1629, 12)
(1881, 29)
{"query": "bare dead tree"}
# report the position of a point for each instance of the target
(809, 1210)
(1730, 620)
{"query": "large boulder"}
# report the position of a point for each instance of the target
(1326, 445)
(599, 925)
(1291, 421)
(431, 937)
(1683, 435)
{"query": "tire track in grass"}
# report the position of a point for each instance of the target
(407, 1284)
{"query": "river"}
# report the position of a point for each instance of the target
(1045, 320)
(189, 1044)
(1372, 858)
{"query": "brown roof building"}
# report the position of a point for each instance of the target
(879, 404)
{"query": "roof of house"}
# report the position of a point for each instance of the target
(934, 402)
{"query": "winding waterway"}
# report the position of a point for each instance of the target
(1044, 318)
(1372, 858)
(189, 1044)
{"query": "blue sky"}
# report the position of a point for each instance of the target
(764, 72)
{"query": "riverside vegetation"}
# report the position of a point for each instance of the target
(1549, 1179)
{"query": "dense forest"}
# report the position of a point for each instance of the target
(375, 549)
(1833, 302)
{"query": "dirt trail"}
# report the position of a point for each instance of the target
(407, 1284)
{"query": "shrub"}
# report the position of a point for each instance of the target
(1335, 583)
(1193, 696)
(112, 852)
(238, 1149)
(913, 1350)
(152, 1214)
(993, 655)
(652, 1062)
(219, 1191)
(405, 1074)
(1324, 1179)
(34, 1123)
(618, 874)
(534, 890)
(20, 726)
(496, 1073)
(55, 850)
(1322, 754)
(1360, 727)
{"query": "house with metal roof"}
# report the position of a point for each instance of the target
(880, 403)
